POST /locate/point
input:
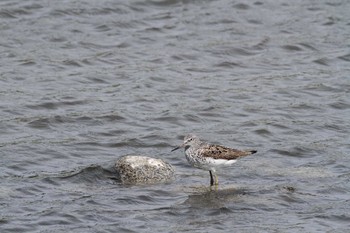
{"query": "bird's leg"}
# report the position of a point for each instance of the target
(211, 178)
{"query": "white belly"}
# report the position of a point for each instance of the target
(207, 163)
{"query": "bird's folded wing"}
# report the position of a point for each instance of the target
(221, 152)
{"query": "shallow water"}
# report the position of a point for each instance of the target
(85, 82)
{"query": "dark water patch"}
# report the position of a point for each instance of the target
(81, 10)
(120, 10)
(263, 132)
(314, 8)
(162, 16)
(323, 61)
(57, 39)
(33, 6)
(88, 146)
(22, 166)
(129, 24)
(153, 137)
(305, 107)
(297, 151)
(50, 181)
(159, 79)
(262, 44)
(47, 105)
(157, 61)
(55, 105)
(308, 46)
(345, 57)
(258, 3)
(13, 13)
(102, 28)
(321, 87)
(7, 14)
(331, 21)
(93, 174)
(184, 57)
(334, 4)
(95, 80)
(162, 3)
(130, 201)
(254, 21)
(214, 199)
(231, 51)
(335, 127)
(54, 219)
(292, 48)
(241, 6)
(145, 199)
(223, 21)
(289, 195)
(340, 105)
(90, 45)
(279, 125)
(27, 62)
(113, 117)
(192, 118)
(39, 124)
(54, 121)
(343, 218)
(73, 63)
(227, 64)
(29, 191)
(113, 133)
(22, 228)
(212, 115)
(333, 191)
(138, 143)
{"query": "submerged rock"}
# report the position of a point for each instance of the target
(135, 169)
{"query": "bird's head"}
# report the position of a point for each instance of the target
(189, 140)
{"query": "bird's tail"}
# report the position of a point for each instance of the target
(252, 151)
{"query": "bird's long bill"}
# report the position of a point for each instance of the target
(178, 147)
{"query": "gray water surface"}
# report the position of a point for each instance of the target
(85, 82)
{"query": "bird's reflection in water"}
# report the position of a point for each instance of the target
(209, 197)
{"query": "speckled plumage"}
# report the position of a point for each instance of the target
(209, 157)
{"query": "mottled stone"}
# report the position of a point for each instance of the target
(134, 169)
